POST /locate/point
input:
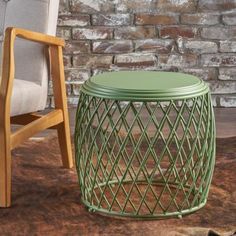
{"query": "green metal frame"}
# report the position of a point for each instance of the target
(150, 160)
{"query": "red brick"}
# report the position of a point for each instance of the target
(147, 19)
(138, 32)
(116, 46)
(177, 31)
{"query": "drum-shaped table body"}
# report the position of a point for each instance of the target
(145, 144)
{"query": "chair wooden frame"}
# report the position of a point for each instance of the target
(33, 122)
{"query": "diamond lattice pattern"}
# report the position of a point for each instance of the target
(144, 159)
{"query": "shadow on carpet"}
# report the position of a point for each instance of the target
(46, 199)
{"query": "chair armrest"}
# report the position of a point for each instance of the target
(35, 36)
(8, 62)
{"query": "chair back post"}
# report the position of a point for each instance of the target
(8, 74)
(5, 125)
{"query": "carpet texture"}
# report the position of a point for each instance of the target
(46, 199)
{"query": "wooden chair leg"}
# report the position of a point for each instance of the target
(5, 170)
(59, 89)
(63, 131)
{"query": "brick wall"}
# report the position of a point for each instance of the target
(192, 36)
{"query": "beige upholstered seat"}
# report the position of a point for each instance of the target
(26, 97)
(31, 77)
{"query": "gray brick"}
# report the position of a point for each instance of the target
(135, 6)
(92, 61)
(73, 101)
(175, 60)
(228, 101)
(227, 73)
(200, 19)
(67, 61)
(78, 20)
(135, 32)
(216, 60)
(220, 87)
(64, 7)
(76, 86)
(139, 60)
(228, 46)
(92, 33)
(154, 45)
(203, 73)
(180, 6)
(76, 47)
(91, 6)
(149, 19)
(219, 33)
(77, 74)
(229, 19)
(111, 19)
(64, 33)
(216, 5)
(115, 46)
(201, 46)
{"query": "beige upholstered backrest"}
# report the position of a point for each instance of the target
(36, 15)
(3, 5)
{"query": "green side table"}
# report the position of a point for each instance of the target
(145, 144)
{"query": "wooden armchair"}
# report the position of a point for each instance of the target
(29, 59)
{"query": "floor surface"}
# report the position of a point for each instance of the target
(46, 200)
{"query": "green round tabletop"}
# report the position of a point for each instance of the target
(144, 85)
